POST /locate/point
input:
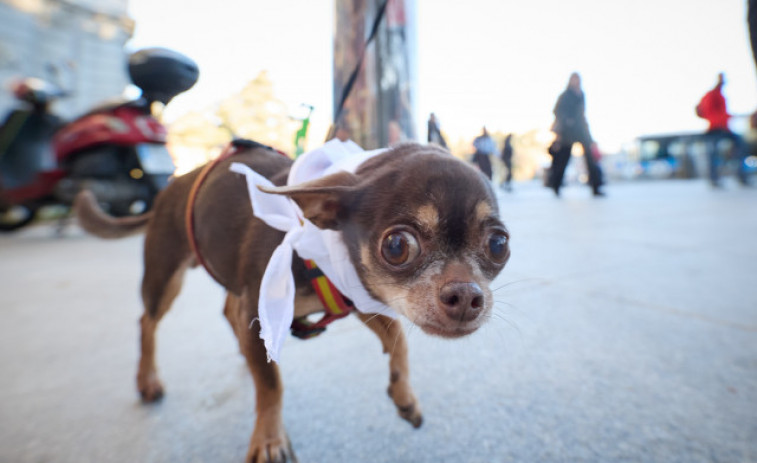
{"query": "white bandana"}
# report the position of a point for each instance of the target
(325, 247)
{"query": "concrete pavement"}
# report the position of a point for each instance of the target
(625, 331)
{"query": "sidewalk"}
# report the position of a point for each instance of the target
(625, 331)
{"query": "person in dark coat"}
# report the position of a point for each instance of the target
(752, 21)
(571, 127)
(434, 133)
(507, 158)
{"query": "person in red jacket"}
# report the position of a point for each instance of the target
(713, 108)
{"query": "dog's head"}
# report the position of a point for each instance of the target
(423, 231)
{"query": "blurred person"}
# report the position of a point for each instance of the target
(434, 133)
(752, 21)
(484, 163)
(571, 127)
(750, 137)
(484, 143)
(485, 147)
(713, 108)
(507, 158)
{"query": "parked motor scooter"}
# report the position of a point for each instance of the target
(116, 150)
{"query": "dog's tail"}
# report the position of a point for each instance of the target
(95, 221)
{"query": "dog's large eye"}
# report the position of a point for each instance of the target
(497, 247)
(399, 247)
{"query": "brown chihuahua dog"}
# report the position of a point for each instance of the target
(421, 228)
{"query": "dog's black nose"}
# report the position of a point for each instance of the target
(462, 301)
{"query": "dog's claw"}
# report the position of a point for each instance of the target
(150, 388)
(271, 452)
(411, 412)
(151, 396)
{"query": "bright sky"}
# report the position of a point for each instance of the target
(499, 63)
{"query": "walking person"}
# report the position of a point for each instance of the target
(434, 133)
(713, 107)
(507, 159)
(485, 147)
(571, 127)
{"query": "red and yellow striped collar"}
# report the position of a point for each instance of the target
(335, 305)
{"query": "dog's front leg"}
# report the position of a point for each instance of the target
(393, 341)
(269, 442)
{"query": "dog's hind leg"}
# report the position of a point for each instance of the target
(161, 283)
(269, 442)
(394, 343)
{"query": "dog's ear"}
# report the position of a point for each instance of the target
(323, 201)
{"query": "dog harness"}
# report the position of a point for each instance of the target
(236, 146)
(323, 246)
(335, 304)
(189, 213)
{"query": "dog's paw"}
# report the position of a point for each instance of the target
(411, 414)
(271, 450)
(407, 404)
(149, 387)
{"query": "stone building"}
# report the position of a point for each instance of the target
(78, 44)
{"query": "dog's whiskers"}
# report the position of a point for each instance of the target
(498, 316)
(514, 282)
(410, 327)
(510, 307)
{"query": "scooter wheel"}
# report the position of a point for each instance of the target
(16, 217)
